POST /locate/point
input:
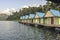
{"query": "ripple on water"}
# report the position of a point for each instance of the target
(12, 30)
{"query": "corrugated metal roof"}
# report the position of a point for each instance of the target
(40, 14)
(55, 12)
(26, 16)
(21, 17)
(31, 16)
(49, 14)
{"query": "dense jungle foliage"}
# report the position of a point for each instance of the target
(26, 11)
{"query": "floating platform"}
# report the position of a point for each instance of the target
(45, 25)
(54, 27)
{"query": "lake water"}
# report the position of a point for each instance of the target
(12, 30)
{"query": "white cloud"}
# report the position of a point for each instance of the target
(25, 6)
(8, 11)
(33, 5)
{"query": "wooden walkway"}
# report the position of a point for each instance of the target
(51, 27)
(45, 25)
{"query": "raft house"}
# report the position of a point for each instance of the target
(26, 18)
(38, 18)
(20, 19)
(52, 18)
(23, 18)
(31, 17)
(49, 19)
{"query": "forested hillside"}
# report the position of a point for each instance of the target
(3, 16)
(26, 11)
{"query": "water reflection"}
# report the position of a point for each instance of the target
(38, 34)
(12, 30)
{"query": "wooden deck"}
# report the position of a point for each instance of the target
(50, 27)
(45, 25)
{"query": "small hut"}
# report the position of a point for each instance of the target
(31, 17)
(26, 18)
(52, 17)
(38, 17)
(21, 19)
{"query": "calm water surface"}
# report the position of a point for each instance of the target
(12, 30)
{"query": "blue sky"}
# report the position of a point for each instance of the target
(17, 4)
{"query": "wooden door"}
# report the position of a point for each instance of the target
(52, 20)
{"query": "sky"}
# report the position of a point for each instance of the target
(4, 4)
(18, 4)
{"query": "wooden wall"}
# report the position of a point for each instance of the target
(36, 20)
(56, 21)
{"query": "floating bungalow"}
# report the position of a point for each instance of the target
(49, 19)
(23, 18)
(26, 18)
(31, 17)
(52, 17)
(38, 18)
